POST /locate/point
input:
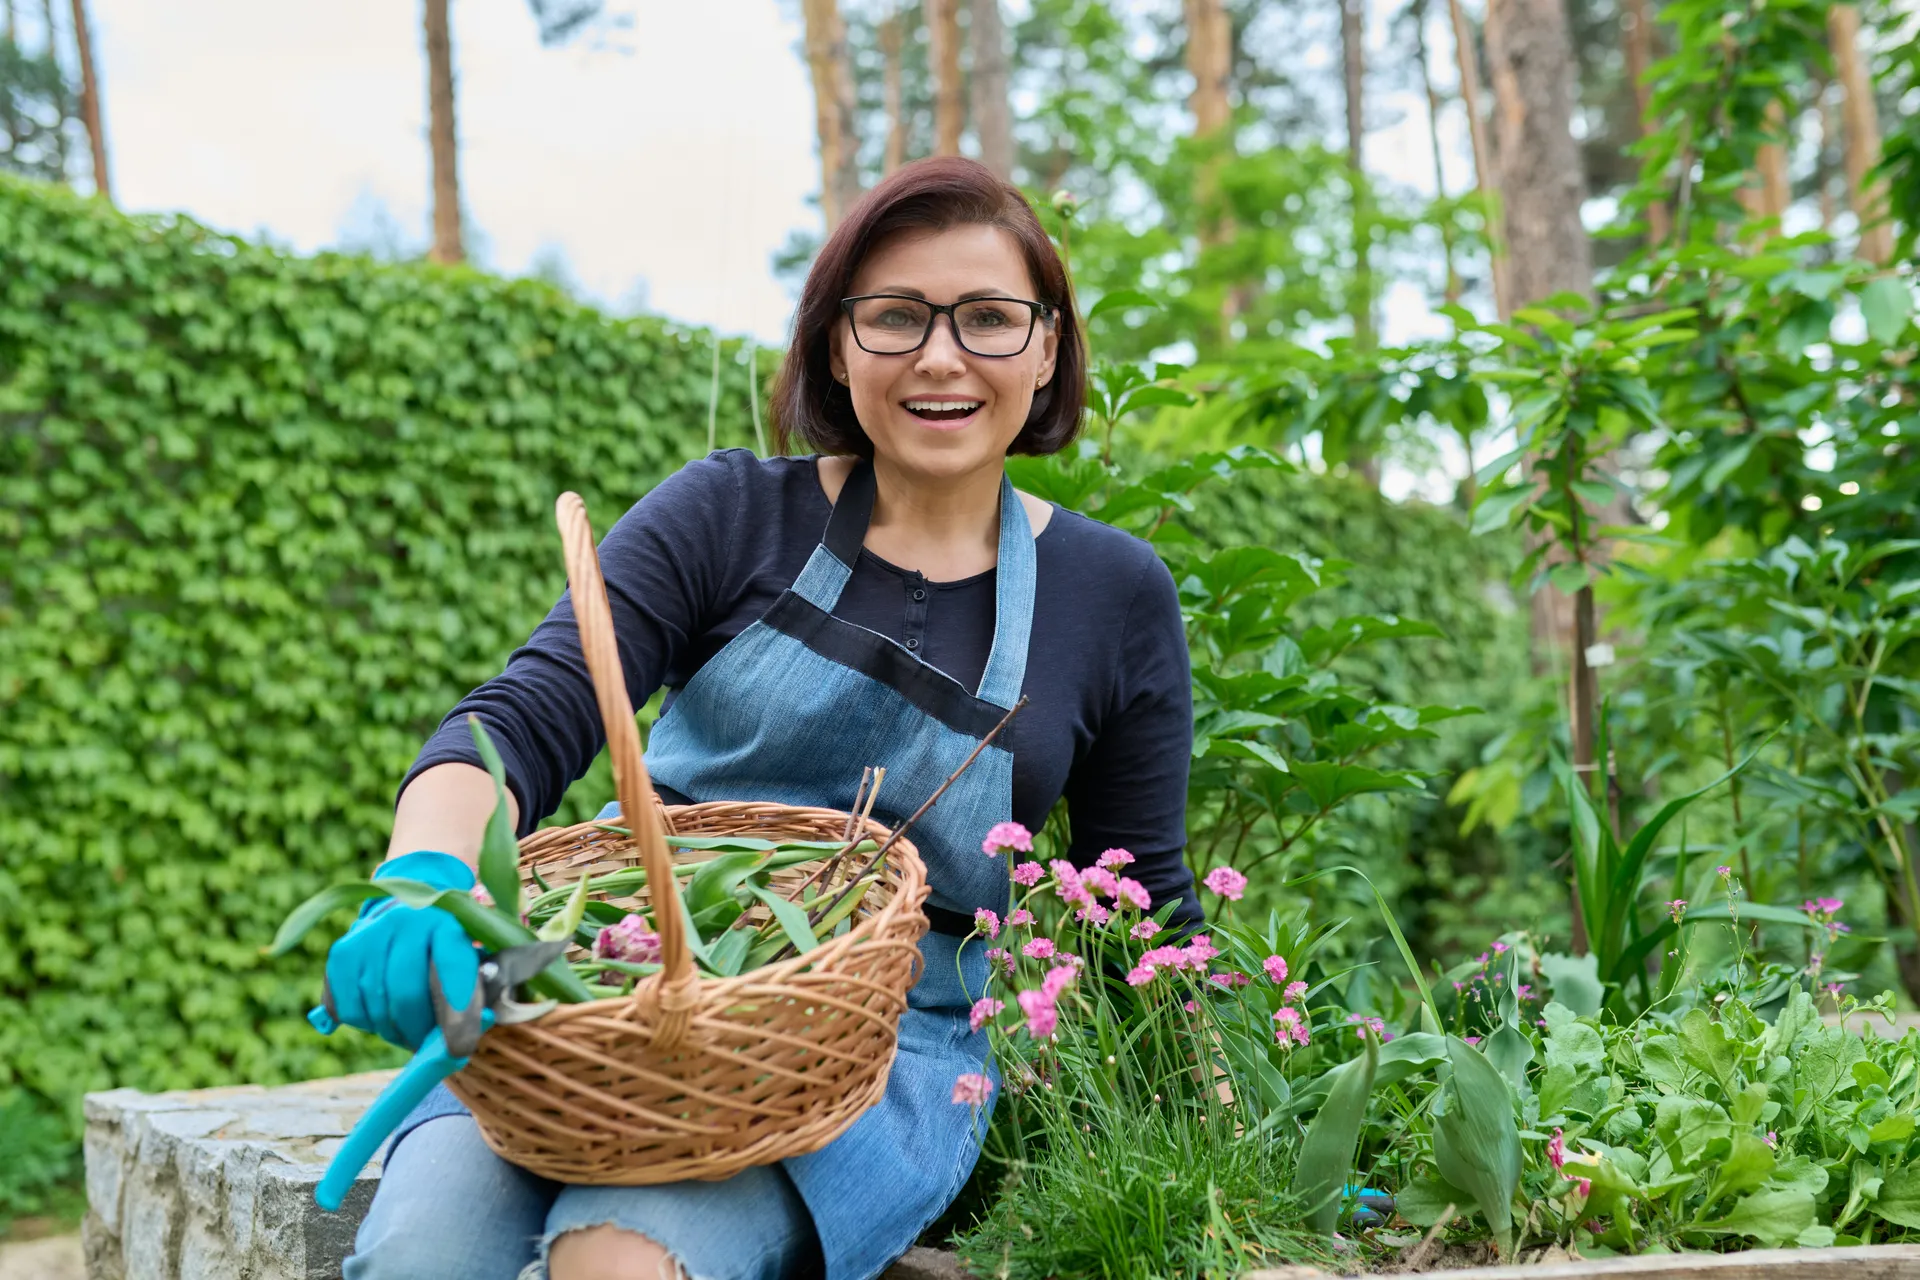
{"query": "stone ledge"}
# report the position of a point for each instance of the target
(217, 1184)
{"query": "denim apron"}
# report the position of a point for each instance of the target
(790, 711)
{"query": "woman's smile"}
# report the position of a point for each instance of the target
(944, 413)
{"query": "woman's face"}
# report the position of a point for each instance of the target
(943, 412)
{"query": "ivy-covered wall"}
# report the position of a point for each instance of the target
(263, 518)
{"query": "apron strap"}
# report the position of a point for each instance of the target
(831, 564)
(1013, 604)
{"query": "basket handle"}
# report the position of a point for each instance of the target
(677, 985)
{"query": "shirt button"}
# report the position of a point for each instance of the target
(919, 593)
(913, 642)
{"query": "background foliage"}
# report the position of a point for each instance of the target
(267, 518)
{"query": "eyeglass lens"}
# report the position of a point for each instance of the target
(987, 326)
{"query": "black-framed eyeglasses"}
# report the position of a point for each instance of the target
(894, 324)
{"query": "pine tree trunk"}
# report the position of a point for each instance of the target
(1542, 182)
(1353, 67)
(943, 52)
(1823, 168)
(1868, 198)
(992, 109)
(90, 113)
(1433, 140)
(1483, 175)
(1210, 62)
(833, 110)
(1541, 179)
(1637, 27)
(890, 43)
(442, 143)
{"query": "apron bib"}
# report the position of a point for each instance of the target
(790, 711)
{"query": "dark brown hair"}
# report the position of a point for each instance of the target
(810, 405)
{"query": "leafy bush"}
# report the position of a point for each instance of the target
(267, 518)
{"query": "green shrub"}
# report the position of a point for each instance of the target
(266, 519)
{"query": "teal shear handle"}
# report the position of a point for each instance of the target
(396, 1102)
(447, 1049)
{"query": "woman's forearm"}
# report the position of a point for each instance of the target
(446, 809)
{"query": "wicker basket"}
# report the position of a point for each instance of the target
(692, 1077)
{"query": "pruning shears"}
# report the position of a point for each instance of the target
(446, 1049)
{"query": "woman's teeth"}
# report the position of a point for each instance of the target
(942, 410)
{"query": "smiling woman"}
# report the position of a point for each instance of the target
(888, 601)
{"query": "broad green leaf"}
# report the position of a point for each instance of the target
(568, 918)
(1497, 508)
(1748, 1164)
(1575, 981)
(1705, 1045)
(1885, 304)
(1326, 1153)
(1899, 1198)
(1120, 299)
(1425, 1202)
(1770, 1217)
(1476, 1144)
(793, 921)
(499, 852)
(713, 884)
(304, 917)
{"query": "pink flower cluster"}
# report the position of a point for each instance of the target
(1114, 859)
(1007, 836)
(1028, 874)
(1294, 992)
(1290, 1027)
(984, 1008)
(1226, 882)
(1276, 967)
(1362, 1023)
(972, 1090)
(1040, 1005)
(984, 921)
(628, 940)
(1078, 888)
(1195, 955)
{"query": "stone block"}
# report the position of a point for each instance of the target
(218, 1184)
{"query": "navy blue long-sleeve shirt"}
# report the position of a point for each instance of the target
(1108, 725)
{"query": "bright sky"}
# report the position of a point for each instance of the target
(674, 158)
(668, 161)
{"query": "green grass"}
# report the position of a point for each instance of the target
(1161, 1198)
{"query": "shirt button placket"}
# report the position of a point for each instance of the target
(916, 628)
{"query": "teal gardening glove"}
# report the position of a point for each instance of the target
(377, 972)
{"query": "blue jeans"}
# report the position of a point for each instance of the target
(450, 1209)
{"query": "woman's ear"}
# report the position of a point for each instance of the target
(1049, 356)
(836, 355)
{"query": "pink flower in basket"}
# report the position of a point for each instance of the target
(1007, 837)
(628, 940)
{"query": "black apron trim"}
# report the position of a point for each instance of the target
(852, 513)
(880, 659)
(951, 923)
